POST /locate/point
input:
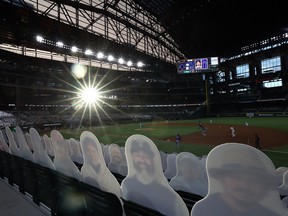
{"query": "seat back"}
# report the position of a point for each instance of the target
(99, 202)
(45, 188)
(134, 209)
(28, 176)
(189, 198)
(6, 166)
(70, 197)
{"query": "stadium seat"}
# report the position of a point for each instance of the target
(99, 202)
(17, 173)
(119, 177)
(189, 198)
(7, 166)
(28, 176)
(70, 198)
(134, 209)
(45, 188)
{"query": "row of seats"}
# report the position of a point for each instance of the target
(63, 195)
(44, 181)
(237, 173)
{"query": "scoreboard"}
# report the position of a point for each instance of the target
(197, 65)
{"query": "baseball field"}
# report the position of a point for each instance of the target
(273, 133)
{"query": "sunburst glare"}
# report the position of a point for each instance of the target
(92, 96)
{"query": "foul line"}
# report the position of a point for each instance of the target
(275, 151)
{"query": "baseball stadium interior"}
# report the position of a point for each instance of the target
(139, 59)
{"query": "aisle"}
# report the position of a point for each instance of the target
(13, 203)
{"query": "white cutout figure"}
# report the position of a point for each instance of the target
(117, 163)
(15, 138)
(94, 170)
(39, 154)
(171, 169)
(25, 151)
(283, 188)
(164, 156)
(280, 172)
(3, 144)
(242, 182)
(190, 175)
(62, 161)
(29, 141)
(106, 154)
(12, 143)
(145, 183)
(75, 149)
(122, 149)
(50, 148)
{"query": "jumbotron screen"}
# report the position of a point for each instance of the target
(197, 65)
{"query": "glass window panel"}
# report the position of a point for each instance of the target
(242, 71)
(271, 65)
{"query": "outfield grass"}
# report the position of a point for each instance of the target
(119, 133)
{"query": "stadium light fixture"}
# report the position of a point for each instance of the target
(121, 61)
(74, 49)
(140, 64)
(88, 52)
(60, 44)
(39, 38)
(129, 63)
(100, 55)
(110, 58)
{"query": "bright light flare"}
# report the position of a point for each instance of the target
(129, 63)
(90, 95)
(60, 44)
(79, 71)
(39, 38)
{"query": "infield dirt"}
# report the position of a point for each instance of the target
(218, 134)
